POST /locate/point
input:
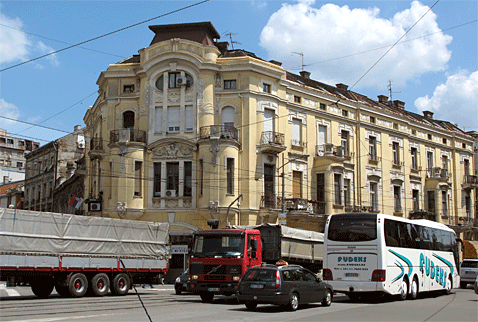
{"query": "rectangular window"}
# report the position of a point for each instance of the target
(21, 143)
(189, 119)
(444, 162)
(19, 164)
(416, 200)
(431, 201)
(172, 173)
(138, 178)
(230, 84)
(395, 126)
(128, 88)
(345, 143)
(157, 179)
(296, 132)
(345, 113)
(337, 189)
(266, 88)
(397, 199)
(320, 193)
(201, 176)
(430, 136)
(297, 184)
(444, 203)
(188, 179)
(347, 190)
(372, 149)
(322, 106)
(158, 124)
(430, 163)
(396, 153)
(230, 176)
(414, 154)
(414, 132)
(173, 119)
(374, 196)
(9, 141)
(444, 141)
(296, 99)
(372, 119)
(173, 80)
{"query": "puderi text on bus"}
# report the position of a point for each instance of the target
(350, 259)
(432, 270)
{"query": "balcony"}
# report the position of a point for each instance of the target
(223, 132)
(329, 150)
(470, 181)
(438, 173)
(127, 136)
(96, 149)
(272, 142)
(270, 202)
(297, 204)
(374, 159)
(298, 145)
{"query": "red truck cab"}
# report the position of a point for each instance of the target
(219, 258)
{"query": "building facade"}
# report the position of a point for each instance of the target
(48, 167)
(188, 131)
(12, 157)
(11, 195)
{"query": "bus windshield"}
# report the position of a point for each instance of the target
(218, 246)
(353, 228)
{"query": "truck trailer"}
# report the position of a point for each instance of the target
(220, 257)
(77, 255)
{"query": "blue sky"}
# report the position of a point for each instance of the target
(434, 68)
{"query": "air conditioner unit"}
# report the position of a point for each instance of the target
(170, 193)
(328, 148)
(181, 81)
(81, 145)
(94, 206)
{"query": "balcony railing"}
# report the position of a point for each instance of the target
(127, 135)
(470, 179)
(299, 144)
(330, 150)
(219, 131)
(96, 144)
(272, 142)
(296, 204)
(437, 173)
(374, 158)
(270, 202)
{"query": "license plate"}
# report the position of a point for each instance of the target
(351, 275)
(257, 286)
(213, 289)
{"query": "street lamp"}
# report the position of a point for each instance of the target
(227, 213)
(304, 156)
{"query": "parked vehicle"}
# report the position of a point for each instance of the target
(182, 283)
(468, 272)
(288, 285)
(476, 285)
(220, 257)
(80, 254)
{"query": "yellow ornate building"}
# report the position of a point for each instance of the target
(188, 131)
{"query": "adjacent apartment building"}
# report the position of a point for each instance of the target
(188, 130)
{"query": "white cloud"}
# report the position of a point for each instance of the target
(44, 49)
(13, 42)
(454, 101)
(258, 4)
(10, 111)
(331, 31)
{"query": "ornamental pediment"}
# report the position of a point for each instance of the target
(172, 150)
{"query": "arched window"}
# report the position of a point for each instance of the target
(228, 114)
(128, 120)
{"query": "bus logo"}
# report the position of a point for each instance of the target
(433, 270)
(350, 259)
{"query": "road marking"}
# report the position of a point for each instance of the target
(10, 292)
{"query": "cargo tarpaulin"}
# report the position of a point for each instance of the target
(23, 231)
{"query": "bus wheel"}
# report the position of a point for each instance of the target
(413, 290)
(404, 290)
(449, 285)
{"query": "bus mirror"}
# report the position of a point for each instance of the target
(254, 244)
(459, 240)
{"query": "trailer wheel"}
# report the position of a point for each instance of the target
(78, 284)
(100, 284)
(121, 284)
(42, 288)
(63, 290)
(206, 297)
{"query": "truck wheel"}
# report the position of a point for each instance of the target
(206, 297)
(62, 290)
(121, 284)
(42, 289)
(78, 284)
(100, 284)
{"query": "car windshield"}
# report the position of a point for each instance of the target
(218, 246)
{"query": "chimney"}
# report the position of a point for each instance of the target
(342, 87)
(382, 99)
(222, 46)
(77, 128)
(428, 115)
(399, 104)
(275, 62)
(305, 74)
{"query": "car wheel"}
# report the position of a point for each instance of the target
(206, 297)
(463, 284)
(177, 288)
(403, 290)
(293, 302)
(413, 290)
(251, 306)
(328, 298)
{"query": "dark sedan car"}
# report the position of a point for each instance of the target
(182, 283)
(288, 285)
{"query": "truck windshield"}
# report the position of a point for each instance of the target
(218, 246)
(352, 228)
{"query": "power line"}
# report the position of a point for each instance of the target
(104, 35)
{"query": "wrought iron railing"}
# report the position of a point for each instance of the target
(274, 138)
(127, 135)
(96, 144)
(219, 131)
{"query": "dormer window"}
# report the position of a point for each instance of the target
(128, 88)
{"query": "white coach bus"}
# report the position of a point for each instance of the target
(367, 253)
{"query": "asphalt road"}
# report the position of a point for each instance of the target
(162, 304)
